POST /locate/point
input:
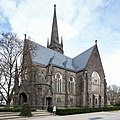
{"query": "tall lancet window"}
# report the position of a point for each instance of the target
(95, 81)
(71, 85)
(58, 83)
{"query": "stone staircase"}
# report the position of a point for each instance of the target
(15, 115)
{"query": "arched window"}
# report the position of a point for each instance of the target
(58, 83)
(71, 85)
(95, 78)
(40, 78)
(95, 81)
(90, 100)
(95, 100)
(26, 74)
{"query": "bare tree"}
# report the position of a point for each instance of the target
(11, 52)
(113, 92)
(1, 98)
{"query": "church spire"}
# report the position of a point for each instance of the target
(54, 43)
(54, 34)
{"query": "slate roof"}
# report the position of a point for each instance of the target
(45, 56)
(81, 60)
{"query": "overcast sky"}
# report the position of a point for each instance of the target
(80, 22)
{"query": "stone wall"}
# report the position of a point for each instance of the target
(44, 94)
(95, 64)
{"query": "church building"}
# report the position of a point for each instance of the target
(51, 78)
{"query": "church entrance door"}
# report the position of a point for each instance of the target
(22, 98)
(49, 101)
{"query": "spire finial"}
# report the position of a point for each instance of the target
(95, 42)
(47, 42)
(54, 33)
(61, 41)
(25, 36)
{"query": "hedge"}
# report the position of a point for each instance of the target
(111, 108)
(70, 111)
(50, 109)
(15, 109)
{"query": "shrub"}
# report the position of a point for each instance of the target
(70, 111)
(1, 105)
(96, 109)
(14, 109)
(33, 109)
(4, 109)
(111, 108)
(50, 109)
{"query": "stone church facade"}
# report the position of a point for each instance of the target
(51, 78)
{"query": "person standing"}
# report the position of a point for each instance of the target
(54, 110)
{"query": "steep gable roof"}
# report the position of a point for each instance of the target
(45, 56)
(81, 60)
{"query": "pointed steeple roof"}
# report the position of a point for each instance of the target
(54, 43)
(54, 33)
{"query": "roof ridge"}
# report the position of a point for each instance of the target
(80, 61)
(84, 51)
(50, 49)
(47, 56)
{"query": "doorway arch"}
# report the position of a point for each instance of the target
(22, 98)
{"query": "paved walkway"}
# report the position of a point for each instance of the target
(88, 116)
(15, 115)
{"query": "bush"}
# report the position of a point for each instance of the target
(96, 109)
(1, 105)
(70, 111)
(111, 108)
(33, 109)
(117, 103)
(4, 109)
(50, 109)
(14, 109)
